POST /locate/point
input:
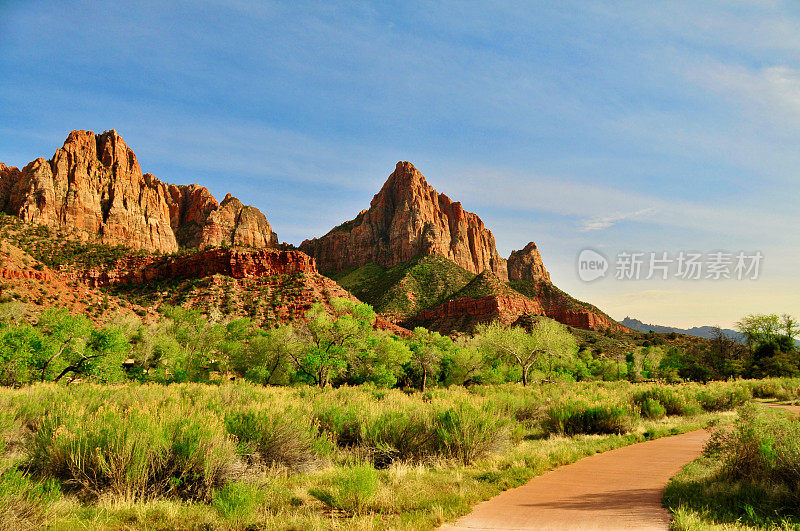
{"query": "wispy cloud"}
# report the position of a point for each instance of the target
(604, 222)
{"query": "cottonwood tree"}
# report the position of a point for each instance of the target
(331, 337)
(427, 350)
(547, 342)
(268, 356)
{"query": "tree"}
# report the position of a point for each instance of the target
(102, 358)
(547, 342)
(64, 339)
(759, 328)
(427, 350)
(331, 337)
(380, 361)
(190, 345)
(268, 356)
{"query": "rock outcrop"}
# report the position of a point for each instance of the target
(235, 224)
(231, 263)
(94, 185)
(407, 219)
(527, 265)
(464, 313)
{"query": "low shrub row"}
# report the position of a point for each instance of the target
(189, 441)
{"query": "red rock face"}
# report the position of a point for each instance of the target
(237, 225)
(585, 319)
(94, 185)
(527, 265)
(464, 313)
(232, 263)
(407, 219)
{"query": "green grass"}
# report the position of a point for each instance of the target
(239, 455)
(551, 297)
(406, 288)
(747, 478)
(484, 285)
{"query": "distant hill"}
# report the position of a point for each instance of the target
(707, 332)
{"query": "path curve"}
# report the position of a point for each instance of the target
(618, 489)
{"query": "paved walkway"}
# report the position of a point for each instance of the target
(619, 489)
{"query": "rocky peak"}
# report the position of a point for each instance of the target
(94, 184)
(527, 265)
(407, 218)
(237, 225)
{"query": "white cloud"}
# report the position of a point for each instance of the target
(775, 89)
(604, 222)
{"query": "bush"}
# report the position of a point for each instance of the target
(134, 453)
(652, 409)
(466, 433)
(354, 488)
(672, 402)
(23, 502)
(274, 437)
(573, 418)
(764, 446)
(715, 397)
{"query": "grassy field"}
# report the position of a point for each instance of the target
(748, 477)
(239, 456)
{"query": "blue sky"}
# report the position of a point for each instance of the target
(651, 126)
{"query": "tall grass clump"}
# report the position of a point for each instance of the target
(722, 397)
(352, 491)
(274, 436)
(577, 418)
(136, 453)
(24, 502)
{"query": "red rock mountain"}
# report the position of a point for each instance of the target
(407, 219)
(527, 265)
(94, 185)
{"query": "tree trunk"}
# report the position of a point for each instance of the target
(424, 378)
(524, 376)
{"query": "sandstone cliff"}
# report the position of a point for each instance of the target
(407, 219)
(231, 263)
(94, 186)
(527, 265)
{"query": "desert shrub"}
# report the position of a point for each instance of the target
(352, 491)
(672, 401)
(284, 437)
(652, 409)
(397, 435)
(135, 453)
(24, 502)
(784, 389)
(721, 397)
(574, 418)
(764, 446)
(238, 501)
(465, 432)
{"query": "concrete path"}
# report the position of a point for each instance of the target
(619, 489)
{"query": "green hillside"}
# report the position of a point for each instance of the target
(484, 285)
(406, 288)
(549, 296)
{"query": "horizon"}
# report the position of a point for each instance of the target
(574, 126)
